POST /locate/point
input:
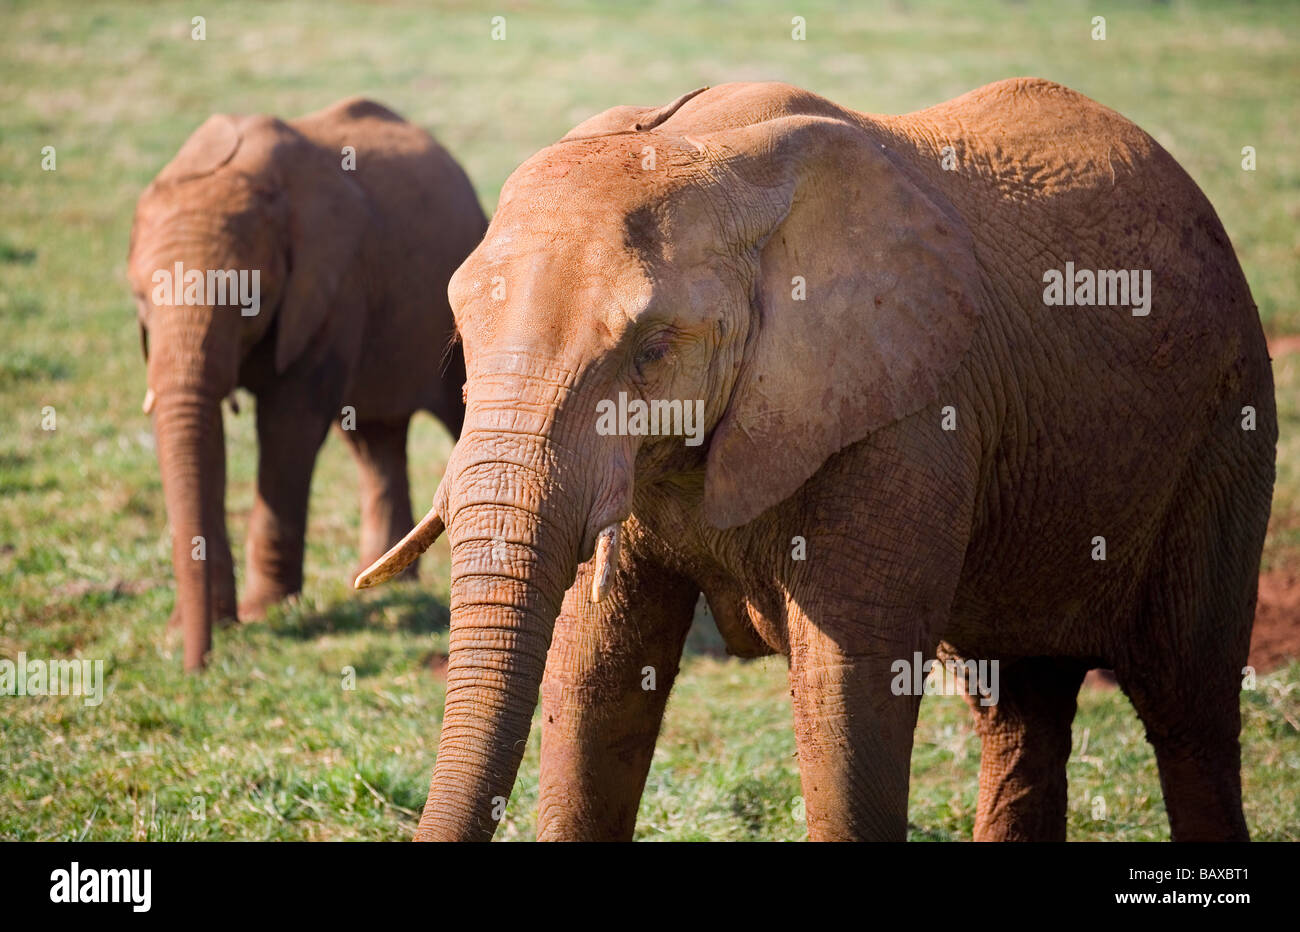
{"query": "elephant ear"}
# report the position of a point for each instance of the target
(209, 147)
(328, 215)
(629, 119)
(864, 303)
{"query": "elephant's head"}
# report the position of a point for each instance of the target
(781, 274)
(252, 197)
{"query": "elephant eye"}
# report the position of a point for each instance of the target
(651, 353)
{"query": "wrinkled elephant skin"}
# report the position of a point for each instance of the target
(903, 432)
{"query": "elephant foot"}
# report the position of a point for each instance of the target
(255, 606)
(174, 634)
(225, 617)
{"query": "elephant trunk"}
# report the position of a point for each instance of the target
(517, 505)
(497, 657)
(193, 364)
(191, 455)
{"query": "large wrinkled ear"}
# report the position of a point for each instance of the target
(328, 214)
(864, 302)
(630, 119)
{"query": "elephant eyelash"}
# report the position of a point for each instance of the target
(656, 349)
(448, 350)
(652, 353)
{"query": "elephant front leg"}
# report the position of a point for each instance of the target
(289, 434)
(380, 450)
(854, 738)
(877, 588)
(610, 668)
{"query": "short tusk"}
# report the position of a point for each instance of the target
(404, 552)
(149, 399)
(234, 403)
(606, 560)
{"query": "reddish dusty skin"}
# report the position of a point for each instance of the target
(353, 266)
(660, 253)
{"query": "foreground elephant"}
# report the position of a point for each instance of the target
(336, 313)
(903, 445)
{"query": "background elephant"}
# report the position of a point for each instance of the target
(353, 249)
(836, 296)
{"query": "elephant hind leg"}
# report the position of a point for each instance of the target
(1025, 736)
(1182, 664)
(1200, 765)
(380, 451)
(1193, 720)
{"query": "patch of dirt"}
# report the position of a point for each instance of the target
(1281, 346)
(1276, 638)
(1100, 679)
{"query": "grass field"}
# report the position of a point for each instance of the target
(269, 744)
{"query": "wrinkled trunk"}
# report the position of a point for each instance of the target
(193, 365)
(517, 514)
(509, 572)
(498, 654)
(192, 457)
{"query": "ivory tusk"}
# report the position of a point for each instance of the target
(149, 399)
(404, 552)
(234, 403)
(606, 560)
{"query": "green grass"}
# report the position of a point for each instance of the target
(269, 744)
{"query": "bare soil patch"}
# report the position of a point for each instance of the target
(1276, 638)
